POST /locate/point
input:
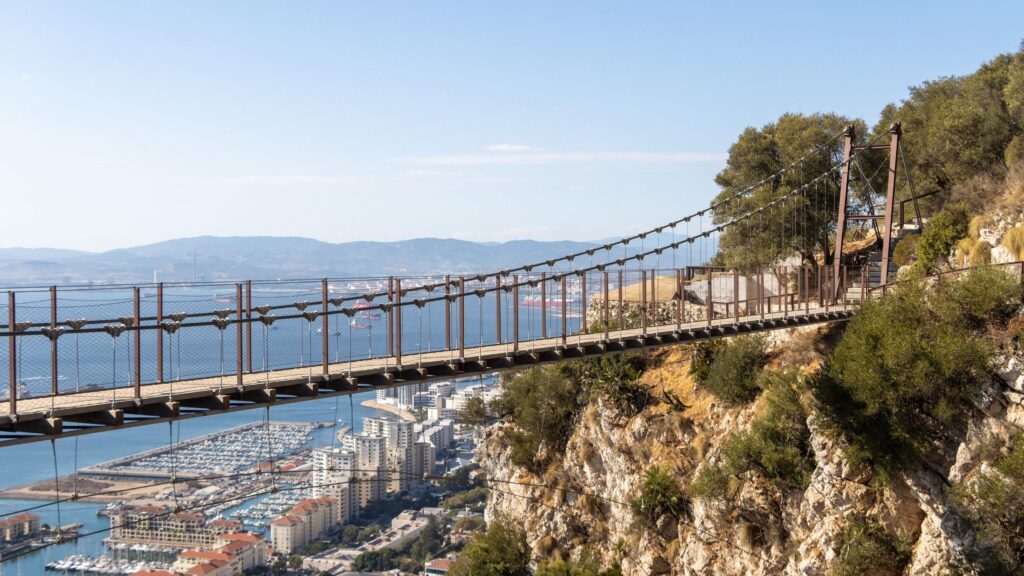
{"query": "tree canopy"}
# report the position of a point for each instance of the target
(500, 551)
(804, 222)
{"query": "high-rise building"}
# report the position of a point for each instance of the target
(399, 437)
(370, 466)
(333, 474)
(304, 523)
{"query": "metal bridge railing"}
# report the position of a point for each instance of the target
(61, 341)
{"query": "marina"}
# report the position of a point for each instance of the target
(233, 450)
(81, 564)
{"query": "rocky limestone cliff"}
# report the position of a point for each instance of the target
(583, 499)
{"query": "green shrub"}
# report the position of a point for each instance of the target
(500, 551)
(660, 495)
(703, 355)
(866, 549)
(777, 444)
(993, 507)
(778, 441)
(544, 403)
(940, 234)
(732, 376)
(711, 482)
(905, 250)
(466, 498)
(909, 365)
(615, 378)
(475, 412)
(982, 296)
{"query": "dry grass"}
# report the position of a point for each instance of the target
(662, 287)
(973, 252)
(1013, 196)
(670, 374)
(1013, 241)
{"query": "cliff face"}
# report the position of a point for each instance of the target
(583, 499)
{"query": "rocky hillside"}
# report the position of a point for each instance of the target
(812, 507)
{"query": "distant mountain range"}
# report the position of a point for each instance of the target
(267, 257)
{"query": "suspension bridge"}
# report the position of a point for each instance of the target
(82, 359)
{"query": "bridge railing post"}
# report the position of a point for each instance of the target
(606, 316)
(679, 299)
(544, 305)
(846, 278)
(497, 309)
(863, 283)
(447, 313)
(398, 322)
(762, 293)
(12, 354)
(784, 292)
(137, 352)
(806, 272)
(565, 297)
(736, 293)
(159, 332)
(240, 320)
(515, 312)
(248, 326)
(390, 318)
(710, 301)
(325, 351)
(683, 279)
(643, 301)
(583, 302)
(462, 318)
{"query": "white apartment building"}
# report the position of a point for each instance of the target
(399, 437)
(333, 471)
(304, 523)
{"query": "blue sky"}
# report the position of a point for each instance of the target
(123, 123)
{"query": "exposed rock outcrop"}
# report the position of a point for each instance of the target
(583, 500)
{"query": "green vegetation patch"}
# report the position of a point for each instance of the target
(939, 236)
(660, 495)
(909, 365)
(545, 402)
(587, 565)
(777, 444)
(867, 549)
(500, 551)
(733, 371)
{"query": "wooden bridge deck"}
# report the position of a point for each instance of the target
(46, 417)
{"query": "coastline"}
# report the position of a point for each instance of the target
(402, 414)
(112, 490)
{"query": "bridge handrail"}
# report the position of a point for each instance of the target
(942, 273)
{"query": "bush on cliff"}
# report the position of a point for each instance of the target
(732, 375)
(703, 355)
(940, 235)
(543, 403)
(660, 495)
(909, 365)
(500, 551)
(777, 444)
(865, 548)
(587, 565)
(615, 378)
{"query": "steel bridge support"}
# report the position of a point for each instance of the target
(895, 133)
